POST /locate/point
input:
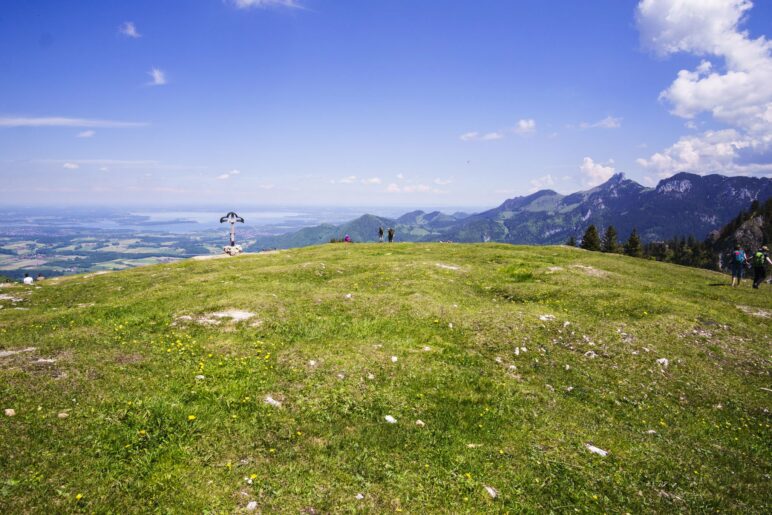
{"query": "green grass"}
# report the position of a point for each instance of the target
(126, 375)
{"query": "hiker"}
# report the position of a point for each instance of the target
(759, 262)
(40, 277)
(27, 279)
(391, 234)
(739, 261)
(380, 234)
(347, 239)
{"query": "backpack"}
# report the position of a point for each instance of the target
(739, 256)
(758, 259)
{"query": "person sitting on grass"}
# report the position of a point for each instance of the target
(347, 239)
(738, 265)
(27, 279)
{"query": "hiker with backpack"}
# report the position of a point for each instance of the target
(759, 262)
(739, 260)
(380, 234)
(391, 234)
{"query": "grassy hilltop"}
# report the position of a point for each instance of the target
(137, 397)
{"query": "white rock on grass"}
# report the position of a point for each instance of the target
(650, 432)
(371, 376)
(596, 450)
(252, 506)
(348, 296)
(63, 415)
(546, 318)
(273, 402)
(390, 419)
(200, 377)
(420, 423)
(491, 491)
(10, 412)
(590, 354)
(663, 362)
(359, 497)
(311, 362)
(427, 348)
(394, 359)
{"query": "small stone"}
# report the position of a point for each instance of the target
(596, 450)
(427, 348)
(651, 432)
(567, 367)
(9, 412)
(450, 325)
(359, 497)
(546, 318)
(371, 376)
(341, 376)
(497, 359)
(311, 362)
(663, 362)
(63, 415)
(420, 423)
(590, 354)
(348, 296)
(273, 402)
(394, 359)
(200, 377)
(390, 419)
(251, 505)
(492, 491)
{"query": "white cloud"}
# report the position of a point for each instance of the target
(725, 151)
(525, 126)
(595, 173)
(348, 180)
(57, 121)
(228, 175)
(71, 166)
(541, 183)
(129, 29)
(247, 4)
(400, 176)
(737, 93)
(609, 122)
(392, 188)
(372, 180)
(86, 134)
(157, 76)
(476, 136)
(442, 182)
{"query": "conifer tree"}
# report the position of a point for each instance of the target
(633, 245)
(571, 241)
(591, 240)
(610, 243)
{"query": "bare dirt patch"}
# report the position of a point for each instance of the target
(756, 312)
(592, 272)
(228, 315)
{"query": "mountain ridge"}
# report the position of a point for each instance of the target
(683, 204)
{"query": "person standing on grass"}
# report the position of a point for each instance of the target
(739, 259)
(380, 234)
(27, 279)
(759, 261)
(391, 234)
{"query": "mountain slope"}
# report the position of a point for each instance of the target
(515, 359)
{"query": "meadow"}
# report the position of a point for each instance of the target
(416, 378)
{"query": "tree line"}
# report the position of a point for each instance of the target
(683, 250)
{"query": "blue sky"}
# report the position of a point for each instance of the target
(378, 102)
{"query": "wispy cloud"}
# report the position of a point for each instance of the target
(228, 175)
(525, 126)
(71, 166)
(541, 183)
(596, 173)
(56, 121)
(442, 182)
(476, 136)
(412, 188)
(372, 180)
(262, 4)
(128, 29)
(609, 122)
(86, 134)
(348, 180)
(157, 77)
